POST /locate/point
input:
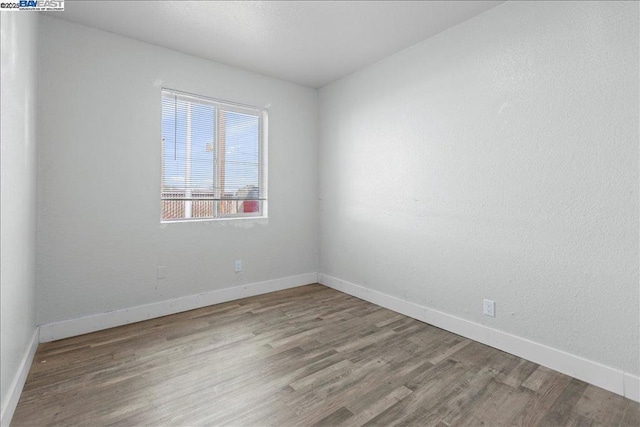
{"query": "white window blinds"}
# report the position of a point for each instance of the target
(212, 158)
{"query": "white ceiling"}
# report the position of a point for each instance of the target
(308, 42)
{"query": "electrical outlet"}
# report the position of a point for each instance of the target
(162, 272)
(489, 308)
(238, 265)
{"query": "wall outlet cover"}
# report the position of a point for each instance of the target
(489, 308)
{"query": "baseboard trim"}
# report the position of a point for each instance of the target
(15, 389)
(611, 379)
(96, 322)
(632, 387)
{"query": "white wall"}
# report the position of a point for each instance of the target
(18, 205)
(498, 159)
(99, 234)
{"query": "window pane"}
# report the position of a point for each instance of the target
(201, 168)
(173, 156)
(242, 160)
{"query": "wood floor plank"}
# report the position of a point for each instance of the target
(335, 418)
(470, 395)
(631, 416)
(302, 356)
(378, 406)
(427, 388)
(601, 406)
(561, 412)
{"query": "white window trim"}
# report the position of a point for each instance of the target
(262, 154)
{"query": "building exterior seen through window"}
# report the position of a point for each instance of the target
(213, 159)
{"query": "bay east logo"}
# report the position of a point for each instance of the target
(41, 5)
(33, 5)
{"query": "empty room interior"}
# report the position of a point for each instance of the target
(337, 213)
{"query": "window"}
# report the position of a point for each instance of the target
(213, 158)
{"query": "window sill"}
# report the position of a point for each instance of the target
(226, 219)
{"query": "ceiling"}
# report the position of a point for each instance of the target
(312, 43)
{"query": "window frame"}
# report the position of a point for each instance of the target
(223, 105)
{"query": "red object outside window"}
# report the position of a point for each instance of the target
(250, 206)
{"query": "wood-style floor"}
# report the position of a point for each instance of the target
(304, 356)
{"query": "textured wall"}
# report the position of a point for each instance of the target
(100, 239)
(18, 242)
(498, 159)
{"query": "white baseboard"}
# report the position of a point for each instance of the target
(611, 379)
(15, 389)
(632, 387)
(96, 322)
